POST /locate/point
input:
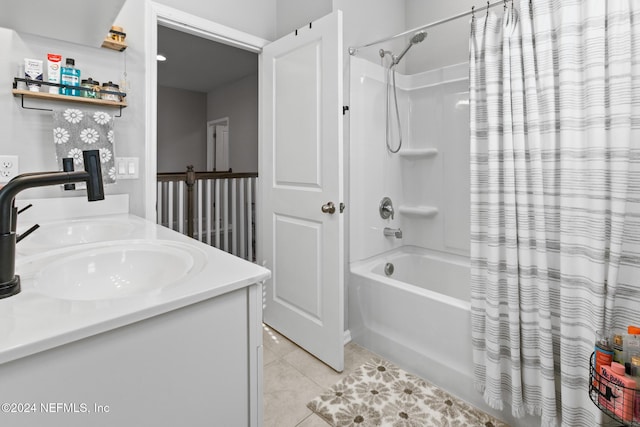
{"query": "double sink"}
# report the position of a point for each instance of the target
(103, 258)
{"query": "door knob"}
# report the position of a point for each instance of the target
(329, 208)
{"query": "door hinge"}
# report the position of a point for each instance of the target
(345, 108)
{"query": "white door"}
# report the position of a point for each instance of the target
(218, 145)
(301, 171)
(221, 137)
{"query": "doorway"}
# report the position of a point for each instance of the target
(203, 85)
(167, 17)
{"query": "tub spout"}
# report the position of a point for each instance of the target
(394, 232)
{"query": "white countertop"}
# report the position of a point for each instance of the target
(32, 322)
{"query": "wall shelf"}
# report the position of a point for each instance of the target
(418, 152)
(46, 96)
(115, 45)
(58, 97)
(419, 211)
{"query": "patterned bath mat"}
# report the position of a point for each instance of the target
(379, 393)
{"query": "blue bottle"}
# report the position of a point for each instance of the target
(70, 75)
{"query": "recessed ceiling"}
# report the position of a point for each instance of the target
(198, 64)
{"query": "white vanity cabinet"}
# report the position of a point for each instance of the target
(186, 353)
(194, 366)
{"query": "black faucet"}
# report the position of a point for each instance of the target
(92, 175)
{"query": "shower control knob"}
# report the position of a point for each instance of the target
(329, 208)
(386, 208)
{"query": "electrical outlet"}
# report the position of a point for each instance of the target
(8, 168)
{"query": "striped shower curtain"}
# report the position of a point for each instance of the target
(555, 198)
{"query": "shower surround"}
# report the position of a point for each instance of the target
(419, 316)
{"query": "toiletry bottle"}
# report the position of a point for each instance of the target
(617, 391)
(618, 349)
(635, 373)
(53, 71)
(33, 71)
(70, 75)
(603, 353)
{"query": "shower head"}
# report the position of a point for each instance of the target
(417, 38)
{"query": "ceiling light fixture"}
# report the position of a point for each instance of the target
(160, 57)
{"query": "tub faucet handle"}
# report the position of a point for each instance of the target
(386, 208)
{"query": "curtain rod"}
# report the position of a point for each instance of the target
(354, 50)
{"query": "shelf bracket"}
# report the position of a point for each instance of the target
(49, 109)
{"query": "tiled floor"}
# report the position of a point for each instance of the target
(292, 377)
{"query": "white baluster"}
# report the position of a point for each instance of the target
(216, 218)
(225, 214)
(199, 185)
(241, 226)
(234, 218)
(181, 202)
(170, 206)
(208, 211)
(250, 187)
(159, 213)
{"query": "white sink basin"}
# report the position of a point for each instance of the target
(68, 233)
(111, 269)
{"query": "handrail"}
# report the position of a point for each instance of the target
(190, 177)
(181, 176)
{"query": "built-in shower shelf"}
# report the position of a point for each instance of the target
(421, 211)
(418, 152)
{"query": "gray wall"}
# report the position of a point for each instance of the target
(182, 130)
(239, 102)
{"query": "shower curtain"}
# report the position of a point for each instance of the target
(555, 198)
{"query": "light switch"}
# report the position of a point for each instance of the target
(127, 167)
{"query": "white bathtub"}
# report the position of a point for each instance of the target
(419, 317)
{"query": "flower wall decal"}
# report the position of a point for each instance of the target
(75, 130)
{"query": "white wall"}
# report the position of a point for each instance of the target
(446, 44)
(28, 133)
(293, 14)
(182, 130)
(257, 17)
(239, 102)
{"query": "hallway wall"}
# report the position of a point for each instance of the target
(182, 130)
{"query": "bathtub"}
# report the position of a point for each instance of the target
(418, 317)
